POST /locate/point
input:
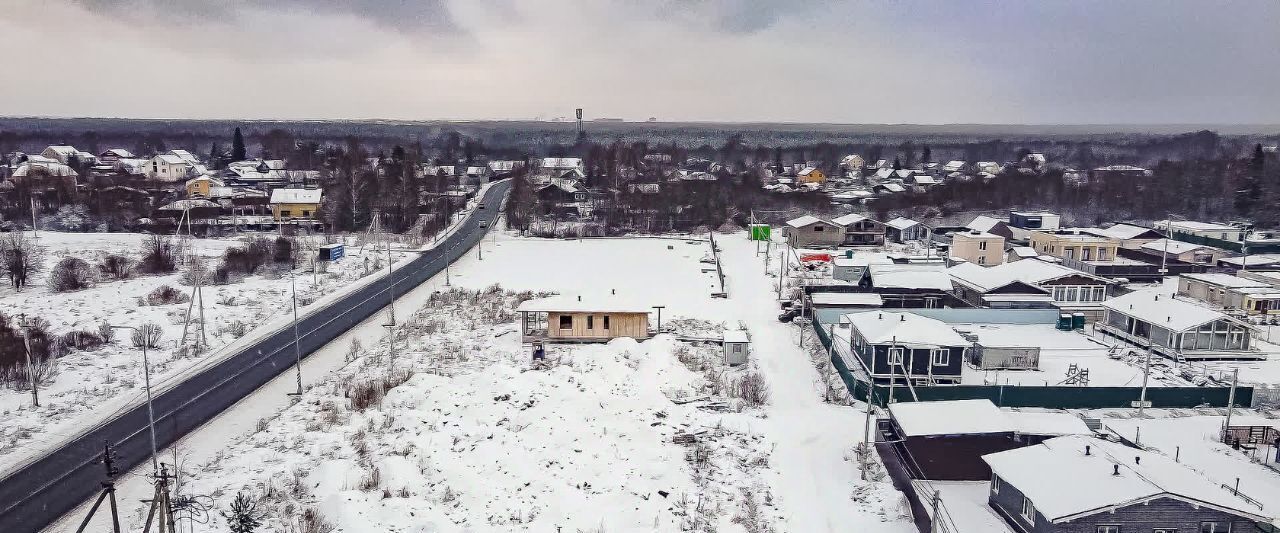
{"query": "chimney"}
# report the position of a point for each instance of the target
(1157, 297)
(902, 318)
(1116, 470)
(1086, 449)
(880, 316)
(579, 297)
(613, 291)
(1137, 459)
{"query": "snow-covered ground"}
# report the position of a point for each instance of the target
(90, 386)
(478, 440)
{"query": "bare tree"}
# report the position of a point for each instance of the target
(148, 334)
(20, 257)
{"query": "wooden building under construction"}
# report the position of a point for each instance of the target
(574, 318)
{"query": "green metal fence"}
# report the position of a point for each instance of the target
(1054, 397)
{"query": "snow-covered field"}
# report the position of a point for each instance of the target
(89, 386)
(477, 439)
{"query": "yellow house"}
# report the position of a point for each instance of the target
(287, 204)
(977, 247)
(565, 318)
(811, 175)
(1074, 245)
(201, 186)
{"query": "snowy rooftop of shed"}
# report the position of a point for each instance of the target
(954, 417)
(905, 329)
(848, 219)
(1160, 246)
(800, 222)
(1064, 483)
(846, 298)
(736, 336)
(901, 223)
(919, 276)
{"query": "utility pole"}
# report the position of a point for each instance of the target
(893, 345)
(391, 288)
(297, 340)
(1146, 374)
(659, 308)
(108, 492)
(1231, 396)
(934, 524)
(161, 502)
(146, 376)
(35, 228)
(786, 263)
(23, 326)
(866, 428)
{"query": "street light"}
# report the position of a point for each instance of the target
(146, 373)
(23, 324)
(297, 350)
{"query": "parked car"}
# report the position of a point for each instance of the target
(484, 223)
(788, 315)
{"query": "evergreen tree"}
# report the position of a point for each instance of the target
(215, 157)
(926, 155)
(237, 146)
(897, 164)
(244, 516)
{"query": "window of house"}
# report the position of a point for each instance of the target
(895, 356)
(1069, 253)
(606, 322)
(566, 322)
(1108, 529)
(1215, 527)
(995, 484)
(1028, 510)
(1102, 254)
(817, 228)
(982, 260)
(941, 357)
(1073, 294)
(306, 213)
(982, 245)
(285, 213)
(1085, 254)
(1165, 530)
(591, 322)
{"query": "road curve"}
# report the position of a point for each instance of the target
(36, 495)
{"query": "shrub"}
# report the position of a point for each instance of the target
(166, 295)
(158, 256)
(81, 340)
(283, 250)
(751, 388)
(369, 393)
(148, 335)
(13, 352)
(249, 258)
(314, 522)
(71, 274)
(116, 267)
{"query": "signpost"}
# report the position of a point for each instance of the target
(761, 232)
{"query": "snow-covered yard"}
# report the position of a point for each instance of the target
(474, 437)
(88, 386)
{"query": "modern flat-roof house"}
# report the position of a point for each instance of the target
(810, 231)
(977, 247)
(906, 347)
(1083, 484)
(1128, 236)
(1213, 287)
(1068, 244)
(909, 285)
(1198, 231)
(1176, 328)
(992, 225)
(946, 440)
(1025, 284)
(860, 230)
(1186, 252)
(904, 229)
(573, 318)
(854, 267)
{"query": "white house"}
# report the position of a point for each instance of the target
(174, 165)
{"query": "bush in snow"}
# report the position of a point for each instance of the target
(148, 334)
(81, 340)
(314, 522)
(249, 258)
(243, 516)
(283, 250)
(751, 388)
(13, 352)
(116, 267)
(158, 256)
(369, 393)
(20, 258)
(71, 274)
(166, 295)
(237, 328)
(69, 218)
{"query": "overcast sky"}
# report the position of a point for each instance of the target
(870, 61)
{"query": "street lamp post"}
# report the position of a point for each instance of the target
(146, 376)
(297, 340)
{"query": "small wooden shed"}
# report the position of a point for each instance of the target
(574, 318)
(736, 347)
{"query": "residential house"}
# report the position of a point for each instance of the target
(1175, 328)
(1018, 253)
(1252, 261)
(888, 187)
(909, 285)
(504, 168)
(860, 230)
(477, 175)
(955, 165)
(852, 164)
(904, 229)
(977, 247)
(946, 440)
(201, 187)
(291, 204)
(1127, 236)
(1252, 295)
(1084, 484)
(989, 167)
(1034, 220)
(1068, 244)
(1024, 284)
(853, 268)
(809, 231)
(811, 175)
(1202, 232)
(64, 154)
(560, 167)
(190, 208)
(992, 225)
(571, 318)
(920, 182)
(112, 155)
(561, 192)
(1198, 254)
(1034, 161)
(1118, 172)
(905, 348)
(174, 165)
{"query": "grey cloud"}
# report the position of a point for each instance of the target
(407, 16)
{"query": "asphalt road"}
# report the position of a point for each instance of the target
(44, 490)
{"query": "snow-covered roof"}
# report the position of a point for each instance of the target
(1065, 483)
(922, 276)
(884, 173)
(1191, 225)
(1162, 309)
(736, 335)
(848, 219)
(296, 196)
(953, 165)
(893, 187)
(1119, 231)
(1120, 168)
(846, 298)
(800, 222)
(504, 165)
(1175, 247)
(864, 258)
(901, 223)
(1226, 280)
(924, 179)
(904, 329)
(951, 417)
(118, 152)
(51, 168)
(1253, 260)
(565, 163)
(975, 234)
(569, 303)
(807, 171)
(983, 223)
(1024, 251)
(1047, 423)
(1032, 271)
